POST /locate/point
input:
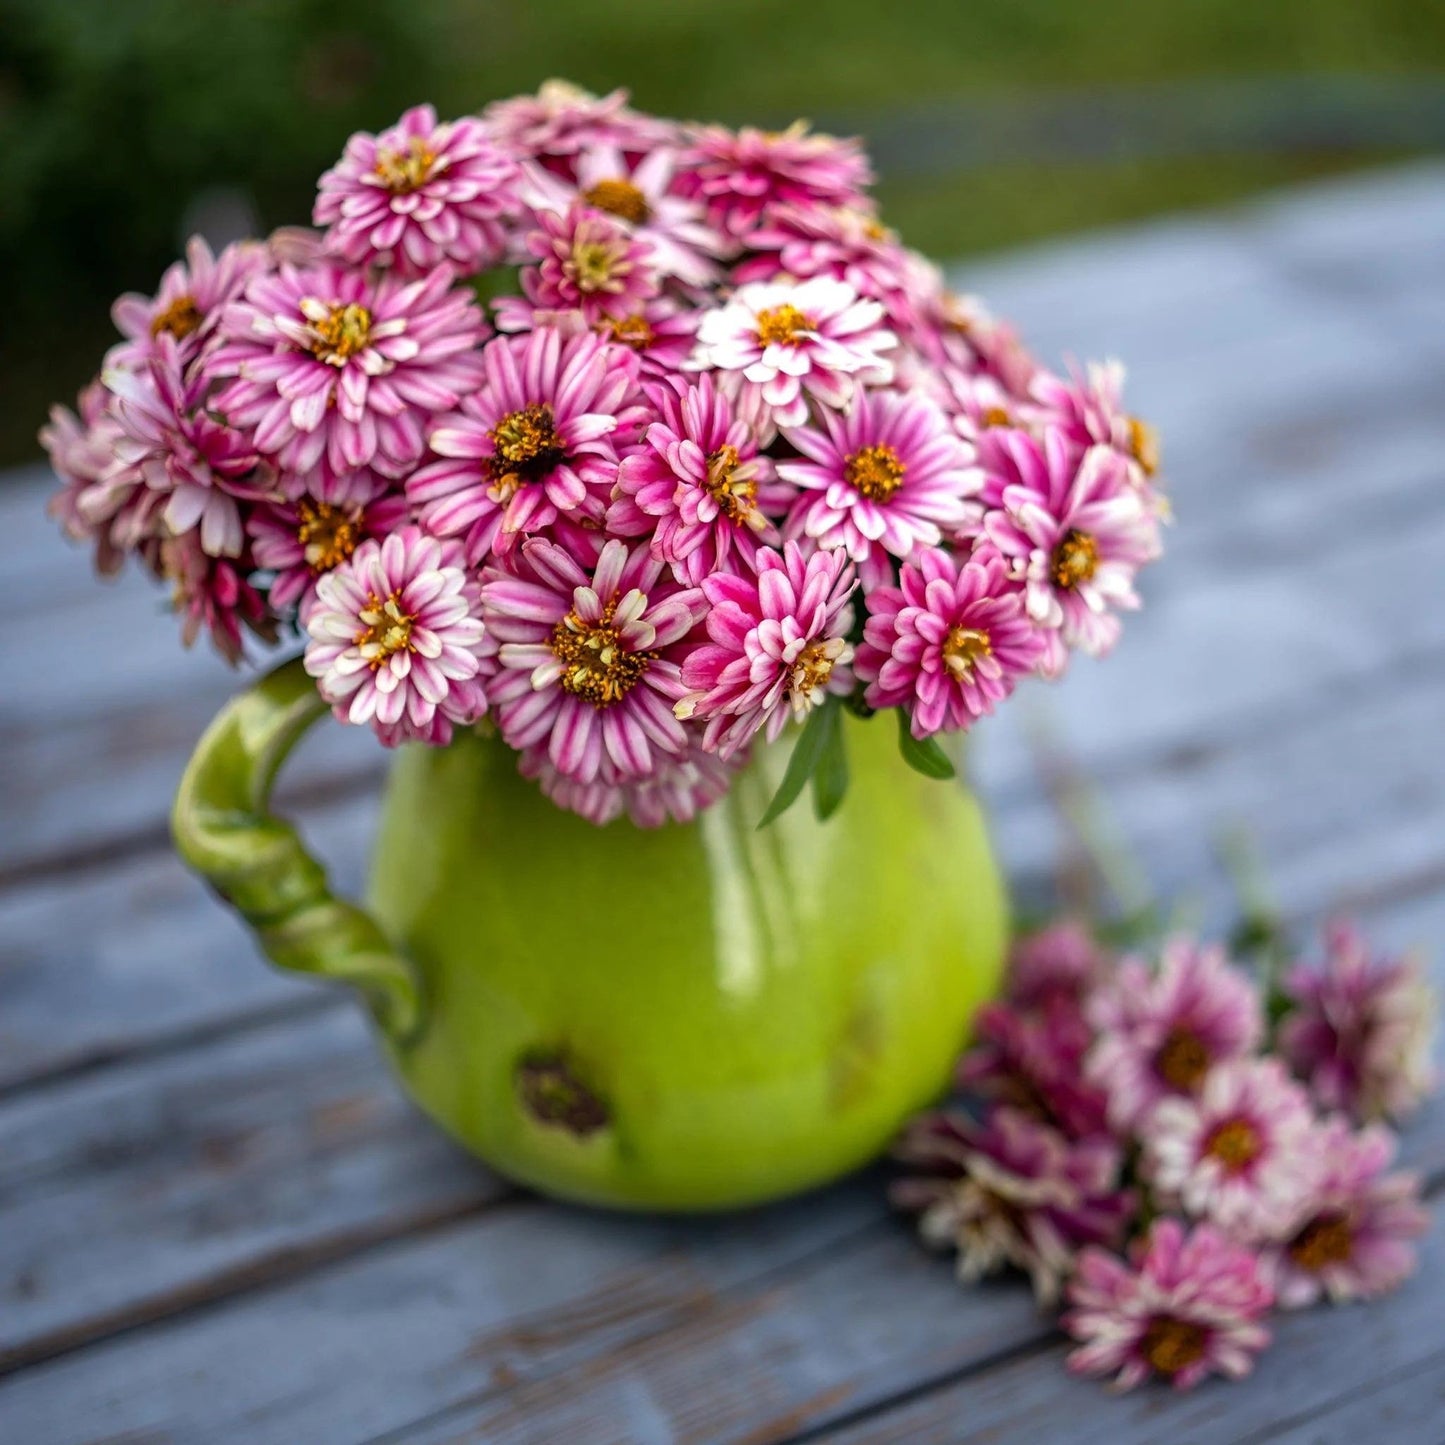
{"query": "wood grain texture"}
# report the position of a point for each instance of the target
(219, 1221)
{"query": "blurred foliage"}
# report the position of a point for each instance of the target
(115, 114)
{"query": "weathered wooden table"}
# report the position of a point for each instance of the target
(219, 1221)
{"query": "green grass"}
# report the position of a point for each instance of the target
(114, 113)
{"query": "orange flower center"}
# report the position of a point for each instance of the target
(619, 198)
(387, 630)
(405, 170)
(1182, 1061)
(783, 325)
(1144, 443)
(526, 447)
(341, 333)
(963, 647)
(1171, 1345)
(736, 495)
(996, 416)
(1325, 1240)
(328, 535)
(1235, 1143)
(1075, 559)
(180, 318)
(876, 472)
(595, 663)
(632, 331)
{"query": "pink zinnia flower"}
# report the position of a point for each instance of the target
(588, 662)
(1089, 408)
(302, 538)
(699, 481)
(1356, 1240)
(815, 339)
(741, 175)
(1360, 1029)
(562, 119)
(887, 476)
(1243, 1154)
(949, 643)
(533, 441)
(588, 262)
(1183, 1306)
(1076, 531)
(1011, 1191)
(675, 791)
(171, 443)
(211, 595)
(778, 646)
(396, 640)
(1161, 1034)
(188, 303)
(641, 197)
(420, 194)
(335, 366)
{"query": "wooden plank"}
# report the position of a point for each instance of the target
(141, 955)
(1322, 1360)
(128, 1197)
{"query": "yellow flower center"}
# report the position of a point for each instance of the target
(526, 447)
(1144, 443)
(1171, 1345)
(633, 331)
(736, 495)
(387, 630)
(1075, 559)
(876, 472)
(619, 197)
(180, 318)
(1235, 1143)
(405, 170)
(1182, 1061)
(963, 647)
(783, 325)
(328, 535)
(813, 669)
(595, 663)
(341, 333)
(593, 265)
(1325, 1240)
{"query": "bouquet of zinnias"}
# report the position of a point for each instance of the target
(637, 438)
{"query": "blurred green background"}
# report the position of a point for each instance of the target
(995, 121)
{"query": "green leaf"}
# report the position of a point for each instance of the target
(830, 775)
(806, 753)
(924, 757)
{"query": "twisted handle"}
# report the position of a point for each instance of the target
(224, 829)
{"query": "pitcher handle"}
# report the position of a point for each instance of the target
(224, 829)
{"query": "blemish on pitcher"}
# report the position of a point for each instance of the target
(553, 1094)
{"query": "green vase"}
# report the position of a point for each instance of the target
(687, 1017)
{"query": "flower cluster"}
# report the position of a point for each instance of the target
(640, 438)
(1147, 1147)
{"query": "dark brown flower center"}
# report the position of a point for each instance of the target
(633, 331)
(962, 649)
(328, 535)
(876, 472)
(527, 447)
(782, 324)
(736, 495)
(180, 318)
(1327, 1239)
(341, 333)
(387, 630)
(405, 170)
(1182, 1060)
(1235, 1143)
(596, 664)
(1075, 559)
(619, 198)
(1171, 1345)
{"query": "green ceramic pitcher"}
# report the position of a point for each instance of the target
(687, 1017)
